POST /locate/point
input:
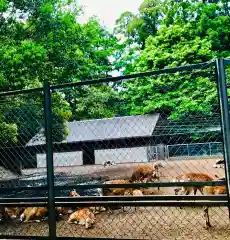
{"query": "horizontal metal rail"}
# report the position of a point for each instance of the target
(135, 75)
(22, 91)
(144, 203)
(117, 198)
(227, 61)
(106, 186)
(113, 79)
(24, 204)
(113, 143)
(3, 236)
(160, 203)
(152, 184)
(145, 197)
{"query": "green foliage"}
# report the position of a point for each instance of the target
(188, 32)
(27, 119)
(3, 5)
(22, 64)
(137, 28)
(9, 133)
(61, 114)
(94, 102)
(51, 45)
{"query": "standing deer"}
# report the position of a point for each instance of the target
(192, 177)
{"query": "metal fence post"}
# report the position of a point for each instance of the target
(210, 149)
(187, 149)
(225, 124)
(49, 160)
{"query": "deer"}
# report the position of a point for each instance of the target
(83, 216)
(115, 191)
(192, 177)
(33, 214)
(219, 164)
(146, 171)
(9, 213)
(108, 163)
(212, 190)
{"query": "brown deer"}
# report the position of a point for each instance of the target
(192, 177)
(34, 214)
(116, 191)
(82, 216)
(212, 190)
(11, 212)
(146, 171)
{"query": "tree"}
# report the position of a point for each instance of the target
(42, 40)
(98, 101)
(137, 28)
(189, 32)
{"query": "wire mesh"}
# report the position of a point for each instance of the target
(22, 117)
(175, 112)
(148, 129)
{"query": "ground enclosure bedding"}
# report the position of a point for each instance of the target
(144, 222)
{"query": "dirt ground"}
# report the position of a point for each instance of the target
(171, 169)
(144, 222)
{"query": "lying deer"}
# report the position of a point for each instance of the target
(95, 210)
(83, 216)
(34, 214)
(115, 191)
(9, 213)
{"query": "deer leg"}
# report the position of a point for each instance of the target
(27, 219)
(195, 191)
(186, 191)
(177, 190)
(158, 179)
(207, 219)
(109, 210)
(201, 191)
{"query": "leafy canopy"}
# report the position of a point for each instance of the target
(43, 40)
(185, 32)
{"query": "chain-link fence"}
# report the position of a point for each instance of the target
(197, 150)
(22, 116)
(106, 157)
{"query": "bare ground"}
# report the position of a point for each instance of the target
(145, 222)
(171, 169)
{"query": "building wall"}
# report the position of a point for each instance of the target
(122, 155)
(61, 159)
(141, 154)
